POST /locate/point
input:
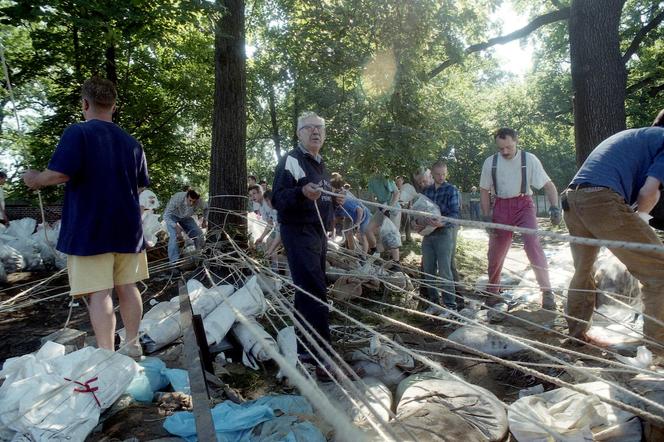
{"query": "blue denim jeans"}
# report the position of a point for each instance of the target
(437, 252)
(191, 229)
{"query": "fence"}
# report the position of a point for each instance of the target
(18, 211)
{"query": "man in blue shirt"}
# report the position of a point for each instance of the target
(624, 171)
(438, 247)
(101, 233)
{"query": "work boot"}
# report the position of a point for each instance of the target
(549, 301)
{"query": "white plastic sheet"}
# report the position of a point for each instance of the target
(38, 402)
(287, 342)
(424, 204)
(389, 234)
(563, 415)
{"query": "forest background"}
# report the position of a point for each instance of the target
(212, 89)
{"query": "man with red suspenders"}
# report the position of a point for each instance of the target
(511, 173)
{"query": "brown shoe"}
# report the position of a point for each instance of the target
(549, 301)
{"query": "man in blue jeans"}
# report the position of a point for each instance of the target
(180, 211)
(438, 247)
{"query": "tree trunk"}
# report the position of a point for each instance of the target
(599, 78)
(228, 162)
(273, 121)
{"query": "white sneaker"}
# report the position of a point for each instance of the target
(133, 350)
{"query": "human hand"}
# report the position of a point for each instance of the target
(555, 215)
(311, 191)
(435, 222)
(490, 230)
(339, 199)
(30, 179)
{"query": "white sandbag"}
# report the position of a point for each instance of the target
(30, 252)
(389, 376)
(287, 342)
(11, 258)
(432, 422)
(389, 235)
(21, 228)
(483, 340)
(253, 349)
(424, 204)
(151, 227)
(249, 300)
(61, 398)
(373, 390)
(161, 324)
(422, 376)
(476, 405)
(159, 327)
(205, 300)
(563, 415)
(148, 199)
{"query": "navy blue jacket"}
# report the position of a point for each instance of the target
(293, 172)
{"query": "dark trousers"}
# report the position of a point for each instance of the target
(306, 246)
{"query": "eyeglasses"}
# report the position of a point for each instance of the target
(310, 127)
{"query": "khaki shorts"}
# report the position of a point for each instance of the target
(90, 274)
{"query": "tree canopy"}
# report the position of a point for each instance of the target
(401, 84)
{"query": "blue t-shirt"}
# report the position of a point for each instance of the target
(350, 206)
(623, 161)
(105, 166)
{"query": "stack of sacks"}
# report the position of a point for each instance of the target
(53, 396)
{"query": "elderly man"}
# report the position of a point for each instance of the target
(180, 211)
(510, 174)
(626, 170)
(105, 169)
(305, 215)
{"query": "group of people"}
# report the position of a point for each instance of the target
(104, 169)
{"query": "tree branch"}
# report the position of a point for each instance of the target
(538, 22)
(638, 38)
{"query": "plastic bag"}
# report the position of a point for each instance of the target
(389, 235)
(424, 204)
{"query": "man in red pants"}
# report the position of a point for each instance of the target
(510, 174)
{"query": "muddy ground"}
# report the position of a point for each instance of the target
(23, 329)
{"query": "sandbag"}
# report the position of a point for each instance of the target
(483, 340)
(249, 300)
(253, 349)
(30, 252)
(11, 259)
(389, 235)
(563, 415)
(433, 422)
(382, 361)
(148, 200)
(424, 204)
(346, 288)
(422, 376)
(377, 394)
(151, 227)
(287, 341)
(60, 409)
(476, 405)
(21, 228)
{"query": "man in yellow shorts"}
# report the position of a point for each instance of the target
(101, 233)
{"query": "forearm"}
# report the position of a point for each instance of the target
(395, 198)
(551, 193)
(485, 205)
(648, 195)
(37, 180)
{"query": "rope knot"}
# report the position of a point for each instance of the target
(86, 388)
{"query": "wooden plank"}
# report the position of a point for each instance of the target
(192, 360)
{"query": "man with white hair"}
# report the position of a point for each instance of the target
(305, 215)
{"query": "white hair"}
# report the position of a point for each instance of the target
(305, 116)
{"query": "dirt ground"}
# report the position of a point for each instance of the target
(23, 329)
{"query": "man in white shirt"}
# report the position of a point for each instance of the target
(510, 174)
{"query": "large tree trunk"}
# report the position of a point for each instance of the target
(598, 72)
(228, 163)
(273, 120)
